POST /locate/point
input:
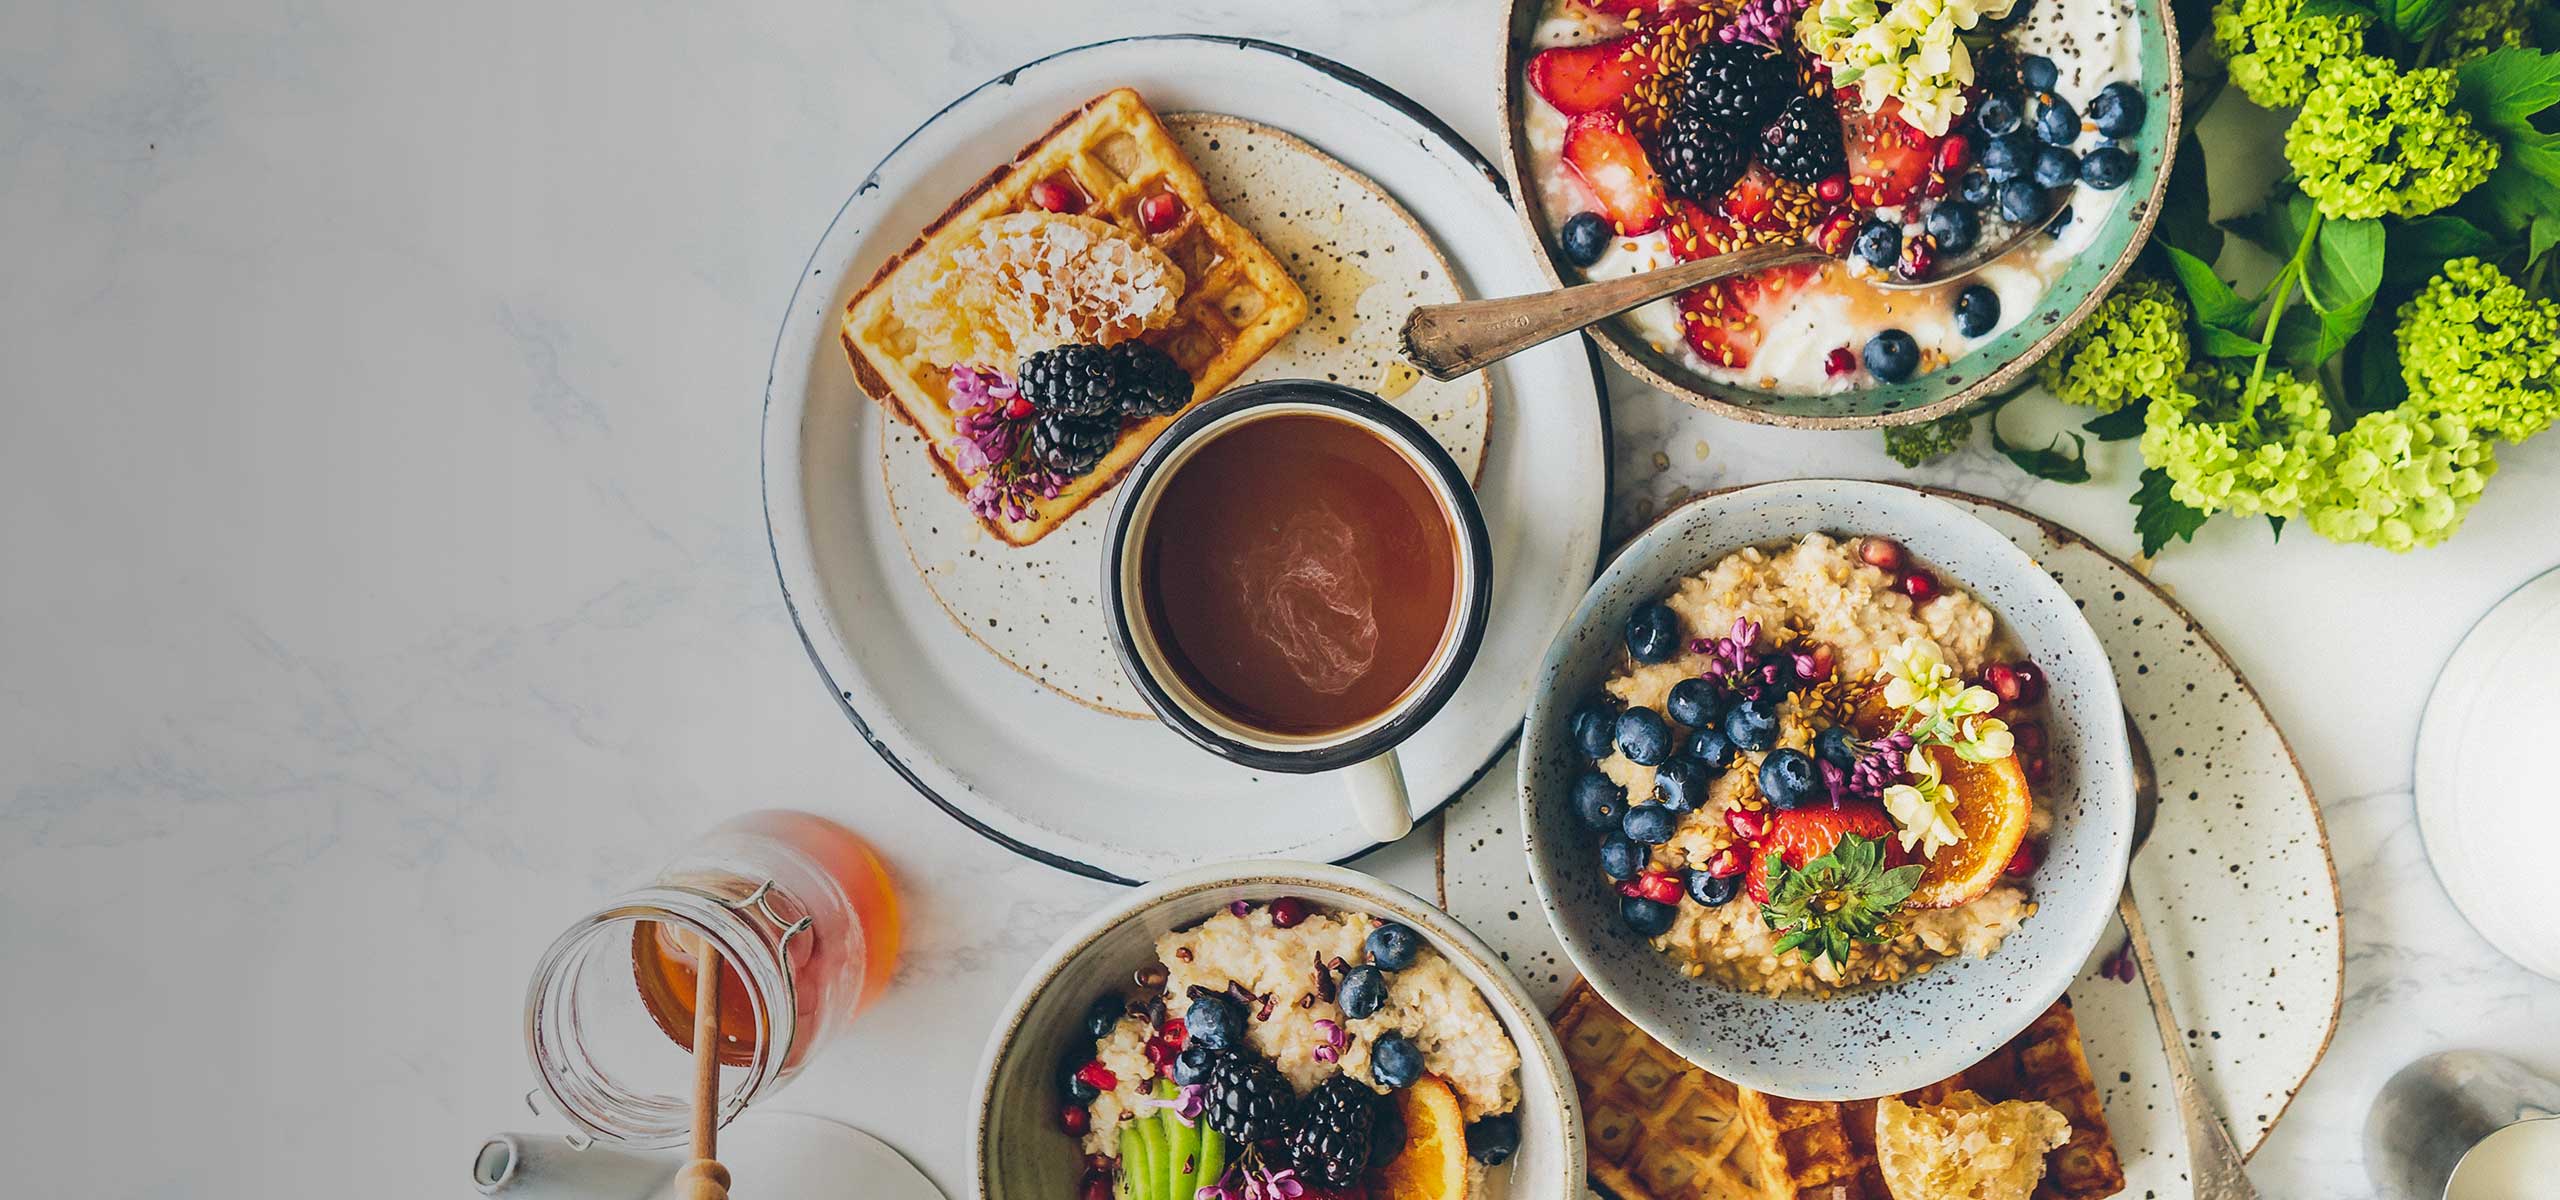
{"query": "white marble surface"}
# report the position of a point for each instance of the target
(385, 580)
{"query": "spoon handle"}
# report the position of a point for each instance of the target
(1450, 340)
(2213, 1163)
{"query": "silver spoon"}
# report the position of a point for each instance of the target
(1449, 340)
(2213, 1162)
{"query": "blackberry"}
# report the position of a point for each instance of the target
(1248, 1100)
(1071, 445)
(1151, 384)
(1072, 381)
(1329, 1142)
(1803, 144)
(1738, 85)
(1699, 160)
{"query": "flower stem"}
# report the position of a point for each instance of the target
(2285, 281)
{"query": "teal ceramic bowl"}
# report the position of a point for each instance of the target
(1988, 367)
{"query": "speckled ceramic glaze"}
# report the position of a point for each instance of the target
(2236, 883)
(1022, 1155)
(1874, 1040)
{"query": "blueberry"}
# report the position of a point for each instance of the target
(2055, 167)
(1694, 702)
(1644, 737)
(1956, 226)
(1681, 784)
(1751, 727)
(1215, 1021)
(2107, 168)
(1394, 1061)
(1586, 238)
(1648, 918)
(1193, 1065)
(1879, 244)
(1597, 800)
(1393, 946)
(2053, 228)
(1998, 114)
(1105, 1013)
(1836, 746)
(2118, 109)
(1977, 313)
(2038, 73)
(1595, 728)
(2023, 202)
(1653, 633)
(1621, 859)
(1709, 745)
(1977, 188)
(2057, 123)
(2007, 156)
(1788, 778)
(1363, 989)
(1650, 824)
(1493, 1140)
(1891, 356)
(1711, 891)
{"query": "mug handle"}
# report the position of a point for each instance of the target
(1378, 797)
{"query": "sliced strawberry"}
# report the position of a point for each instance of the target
(1805, 834)
(1889, 160)
(1694, 233)
(1581, 79)
(1629, 8)
(1612, 164)
(1718, 325)
(1750, 201)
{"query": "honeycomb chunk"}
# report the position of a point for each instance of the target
(1032, 280)
(1966, 1148)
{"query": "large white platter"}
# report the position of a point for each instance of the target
(2235, 884)
(1067, 784)
(2487, 806)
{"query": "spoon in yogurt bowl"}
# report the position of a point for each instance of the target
(1446, 341)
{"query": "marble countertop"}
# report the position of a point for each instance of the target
(386, 581)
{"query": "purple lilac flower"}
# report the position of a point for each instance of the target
(1880, 765)
(1730, 656)
(1336, 1040)
(1272, 1185)
(1763, 22)
(1187, 1103)
(1835, 782)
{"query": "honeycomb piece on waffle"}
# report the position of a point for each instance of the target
(1027, 281)
(1657, 1127)
(1966, 1148)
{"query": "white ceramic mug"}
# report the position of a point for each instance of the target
(1364, 751)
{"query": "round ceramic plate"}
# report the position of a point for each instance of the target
(1363, 263)
(2236, 883)
(1040, 773)
(2485, 810)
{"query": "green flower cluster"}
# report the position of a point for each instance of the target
(2401, 479)
(2475, 347)
(2477, 27)
(2373, 140)
(2134, 345)
(1912, 445)
(2230, 444)
(2275, 52)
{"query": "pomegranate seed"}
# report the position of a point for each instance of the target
(2038, 769)
(1839, 362)
(1917, 585)
(2003, 682)
(1833, 189)
(1833, 235)
(1919, 258)
(1176, 1031)
(1746, 823)
(1287, 911)
(1884, 554)
(1160, 212)
(1017, 409)
(1631, 889)
(2030, 682)
(2023, 863)
(1725, 863)
(1954, 154)
(1075, 1120)
(2029, 737)
(1824, 662)
(1057, 196)
(1658, 887)
(1097, 1076)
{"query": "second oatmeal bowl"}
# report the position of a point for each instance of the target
(1826, 786)
(1269, 1030)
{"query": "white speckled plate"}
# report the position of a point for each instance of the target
(1364, 264)
(1033, 770)
(2236, 882)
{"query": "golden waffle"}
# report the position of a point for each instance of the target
(1657, 1128)
(1237, 301)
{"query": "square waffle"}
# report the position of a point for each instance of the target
(1660, 1128)
(1237, 300)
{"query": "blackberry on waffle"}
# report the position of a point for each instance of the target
(1073, 381)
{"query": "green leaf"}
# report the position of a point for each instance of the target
(2504, 88)
(2122, 425)
(2194, 17)
(2216, 305)
(2158, 516)
(2346, 264)
(2186, 213)
(2540, 235)
(2222, 343)
(2338, 8)
(2373, 381)
(2052, 462)
(2414, 19)
(2419, 247)
(2306, 337)
(2275, 521)
(2276, 226)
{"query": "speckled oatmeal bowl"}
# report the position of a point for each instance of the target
(1022, 1153)
(1883, 1038)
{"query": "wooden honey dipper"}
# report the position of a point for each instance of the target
(704, 1178)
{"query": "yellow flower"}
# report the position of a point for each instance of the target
(1925, 808)
(1915, 676)
(1985, 739)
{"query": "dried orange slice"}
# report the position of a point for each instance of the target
(1993, 807)
(1433, 1164)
